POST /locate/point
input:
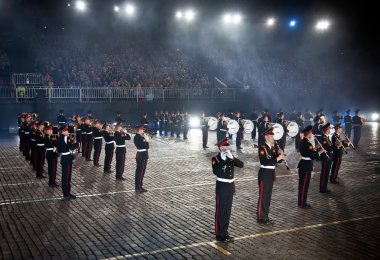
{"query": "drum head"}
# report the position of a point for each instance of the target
(248, 126)
(212, 123)
(233, 127)
(278, 131)
(293, 129)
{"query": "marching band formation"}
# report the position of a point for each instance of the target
(323, 141)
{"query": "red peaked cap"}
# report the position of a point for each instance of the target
(268, 132)
(224, 142)
(50, 127)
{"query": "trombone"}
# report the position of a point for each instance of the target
(151, 136)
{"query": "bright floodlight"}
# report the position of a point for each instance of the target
(195, 122)
(237, 18)
(129, 9)
(189, 15)
(375, 116)
(271, 21)
(292, 23)
(322, 25)
(227, 18)
(179, 15)
(116, 8)
(80, 5)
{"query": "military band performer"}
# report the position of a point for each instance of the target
(51, 155)
(317, 131)
(204, 127)
(156, 121)
(280, 120)
(40, 150)
(223, 165)
(142, 156)
(109, 149)
(27, 136)
(162, 122)
(267, 175)
(178, 124)
(78, 131)
(65, 147)
(240, 133)
(221, 130)
(254, 118)
(336, 117)
(89, 140)
(84, 127)
(167, 123)
(357, 124)
(61, 119)
(186, 123)
(98, 142)
(262, 126)
(144, 121)
(338, 152)
(21, 130)
(120, 136)
(118, 118)
(172, 121)
(32, 141)
(325, 159)
(348, 123)
(305, 166)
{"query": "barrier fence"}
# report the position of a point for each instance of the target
(105, 94)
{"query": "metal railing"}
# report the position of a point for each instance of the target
(106, 94)
(27, 78)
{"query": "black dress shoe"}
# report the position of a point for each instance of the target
(97, 165)
(72, 197)
(334, 182)
(121, 179)
(88, 160)
(141, 190)
(220, 239)
(326, 191)
(229, 238)
(306, 206)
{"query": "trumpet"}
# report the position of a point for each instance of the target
(340, 143)
(323, 149)
(349, 141)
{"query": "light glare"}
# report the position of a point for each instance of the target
(322, 25)
(130, 9)
(80, 5)
(179, 15)
(271, 21)
(375, 116)
(189, 15)
(116, 8)
(195, 122)
(292, 23)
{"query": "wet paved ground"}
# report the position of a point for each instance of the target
(175, 218)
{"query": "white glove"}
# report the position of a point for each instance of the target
(223, 156)
(229, 155)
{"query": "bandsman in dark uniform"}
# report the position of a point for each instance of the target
(262, 126)
(27, 136)
(221, 130)
(32, 145)
(166, 123)
(172, 121)
(305, 166)
(65, 147)
(109, 149)
(89, 140)
(223, 166)
(317, 128)
(268, 159)
(40, 150)
(308, 116)
(142, 146)
(325, 159)
(268, 115)
(254, 118)
(162, 122)
(357, 124)
(98, 141)
(339, 145)
(204, 127)
(337, 117)
(120, 136)
(178, 124)
(84, 127)
(186, 122)
(118, 118)
(300, 122)
(240, 133)
(61, 119)
(348, 124)
(144, 121)
(78, 132)
(21, 130)
(89, 115)
(156, 121)
(50, 141)
(280, 120)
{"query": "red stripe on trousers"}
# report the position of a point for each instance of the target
(141, 174)
(260, 199)
(323, 175)
(303, 189)
(336, 168)
(110, 160)
(67, 180)
(216, 215)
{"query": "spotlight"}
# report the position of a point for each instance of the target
(129, 9)
(179, 15)
(271, 21)
(322, 25)
(189, 15)
(293, 23)
(116, 8)
(80, 5)
(227, 18)
(237, 18)
(68, 4)
(375, 116)
(195, 122)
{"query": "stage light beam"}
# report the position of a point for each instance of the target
(116, 8)
(129, 9)
(179, 15)
(237, 18)
(322, 25)
(81, 5)
(271, 21)
(189, 15)
(293, 23)
(227, 18)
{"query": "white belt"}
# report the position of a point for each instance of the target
(306, 158)
(267, 167)
(90, 133)
(120, 145)
(225, 180)
(142, 150)
(98, 137)
(61, 122)
(26, 133)
(49, 149)
(145, 124)
(66, 153)
(356, 125)
(33, 140)
(79, 130)
(317, 135)
(110, 142)
(223, 130)
(40, 144)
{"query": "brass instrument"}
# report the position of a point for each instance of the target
(151, 136)
(349, 141)
(323, 149)
(340, 144)
(278, 152)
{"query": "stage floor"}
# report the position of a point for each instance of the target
(175, 218)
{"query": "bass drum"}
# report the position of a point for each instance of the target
(248, 126)
(233, 127)
(212, 123)
(278, 131)
(293, 129)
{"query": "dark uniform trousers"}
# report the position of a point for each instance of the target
(325, 172)
(140, 172)
(224, 197)
(348, 129)
(204, 137)
(253, 134)
(67, 167)
(166, 127)
(78, 138)
(265, 180)
(120, 161)
(357, 135)
(83, 139)
(303, 186)
(97, 149)
(185, 131)
(51, 158)
(33, 154)
(337, 159)
(110, 148)
(239, 137)
(26, 147)
(89, 144)
(40, 160)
